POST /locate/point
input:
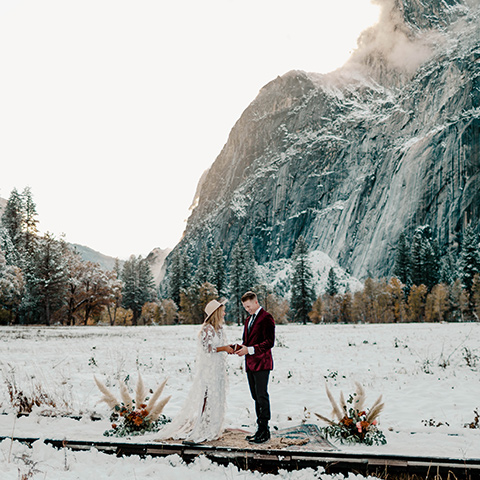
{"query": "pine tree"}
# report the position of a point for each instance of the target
(138, 285)
(46, 276)
(417, 266)
(469, 258)
(13, 219)
(30, 230)
(332, 283)
(425, 261)
(242, 277)
(203, 268)
(303, 294)
(448, 271)
(179, 275)
(401, 268)
(237, 264)
(11, 288)
(217, 274)
(146, 280)
(10, 252)
(432, 263)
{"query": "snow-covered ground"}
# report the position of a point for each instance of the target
(422, 370)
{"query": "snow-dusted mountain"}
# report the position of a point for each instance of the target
(352, 158)
(90, 255)
(155, 258)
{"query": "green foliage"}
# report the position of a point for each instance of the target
(46, 274)
(354, 427)
(332, 283)
(128, 421)
(179, 275)
(203, 271)
(138, 285)
(303, 293)
(401, 268)
(469, 257)
(217, 274)
(242, 277)
(13, 218)
(425, 259)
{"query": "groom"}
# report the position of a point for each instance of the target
(258, 340)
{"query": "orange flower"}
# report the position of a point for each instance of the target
(347, 421)
(114, 425)
(138, 421)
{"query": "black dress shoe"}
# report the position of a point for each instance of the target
(250, 437)
(261, 436)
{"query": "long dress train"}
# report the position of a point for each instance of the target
(201, 417)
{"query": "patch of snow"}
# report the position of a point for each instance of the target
(239, 204)
(276, 275)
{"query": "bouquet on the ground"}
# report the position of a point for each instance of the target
(134, 416)
(354, 423)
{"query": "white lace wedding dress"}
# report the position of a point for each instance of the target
(201, 417)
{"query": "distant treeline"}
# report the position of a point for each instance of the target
(43, 281)
(426, 286)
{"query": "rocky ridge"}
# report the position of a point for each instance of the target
(351, 159)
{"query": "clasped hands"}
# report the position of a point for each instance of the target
(237, 349)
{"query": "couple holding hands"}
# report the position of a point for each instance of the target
(201, 417)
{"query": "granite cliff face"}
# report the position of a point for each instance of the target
(352, 158)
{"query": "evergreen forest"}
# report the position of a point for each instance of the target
(43, 280)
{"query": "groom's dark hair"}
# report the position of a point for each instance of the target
(249, 296)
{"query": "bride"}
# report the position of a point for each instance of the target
(201, 417)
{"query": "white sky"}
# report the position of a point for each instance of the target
(110, 110)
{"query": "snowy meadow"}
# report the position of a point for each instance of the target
(428, 375)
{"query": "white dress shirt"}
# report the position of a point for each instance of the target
(251, 350)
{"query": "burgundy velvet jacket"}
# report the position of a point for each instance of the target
(262, 338)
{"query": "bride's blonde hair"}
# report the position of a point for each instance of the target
(216, 318)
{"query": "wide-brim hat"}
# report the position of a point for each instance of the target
(212, 306)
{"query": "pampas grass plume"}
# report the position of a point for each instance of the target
(376, 409)
(336, 410)
(141, 392)
(156, 396)
(108, 397)
(126, 399)
(158, 408)
(360, 398)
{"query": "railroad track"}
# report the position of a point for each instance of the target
(383, 466)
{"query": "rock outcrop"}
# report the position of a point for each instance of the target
(352, 158)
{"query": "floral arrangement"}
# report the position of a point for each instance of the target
(354, 423)
(134, 416)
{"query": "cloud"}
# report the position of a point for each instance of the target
(394, 44)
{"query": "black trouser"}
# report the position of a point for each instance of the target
(258, 383)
